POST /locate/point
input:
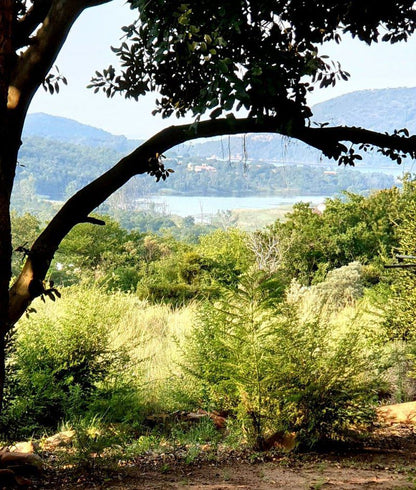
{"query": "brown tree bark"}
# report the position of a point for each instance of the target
(8, 153)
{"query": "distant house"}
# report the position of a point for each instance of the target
(204, 168)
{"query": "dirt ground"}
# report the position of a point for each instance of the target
(387, 461)
(382, 459)
(366, 471)
(269, 475)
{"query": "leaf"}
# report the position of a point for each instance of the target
(222, 65)
(215, 113)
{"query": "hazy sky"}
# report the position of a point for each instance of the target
(87, 49)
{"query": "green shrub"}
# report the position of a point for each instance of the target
(60, 360)
(325, 379)
(96, 445)
(255, 358)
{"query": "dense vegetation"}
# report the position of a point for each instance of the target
(295, 328)
(56, 170)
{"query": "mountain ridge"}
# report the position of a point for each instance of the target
(58, 128)
(376, 109)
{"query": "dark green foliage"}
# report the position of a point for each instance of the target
(261, 178)
(400, 318)
(256, 358)
(108, 254)
(193, 53)
(327, 381)
(176, 273)
(230, 352)
(355, 228)
(61, 168)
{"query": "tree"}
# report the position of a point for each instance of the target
(214, 55)
(309, 243)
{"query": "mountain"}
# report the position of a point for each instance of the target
(379, 110)
(69, 131)
(59, 155)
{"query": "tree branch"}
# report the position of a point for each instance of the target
(34, 64)
(28, 24)
(93, 221)
(329, 139)
(142, 160)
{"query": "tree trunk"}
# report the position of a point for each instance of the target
(9, 145)
(8, 158)
(2, 368)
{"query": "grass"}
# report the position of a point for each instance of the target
(256, 219)
(149, 334)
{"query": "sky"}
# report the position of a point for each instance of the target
(88, 49)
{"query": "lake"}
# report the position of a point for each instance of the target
(201, 206)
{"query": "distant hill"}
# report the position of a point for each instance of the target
(69, 131)
(380, 110)
(59, 155)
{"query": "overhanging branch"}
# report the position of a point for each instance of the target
(57, 18)
(141, 160)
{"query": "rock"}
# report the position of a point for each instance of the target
(400, 413)
(13, 459)
(23, 447)
(60, 439)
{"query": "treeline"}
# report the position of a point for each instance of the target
(305, 246)
(219, 178)
(298, 328)
(55, 170)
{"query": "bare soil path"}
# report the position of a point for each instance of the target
(388, 461)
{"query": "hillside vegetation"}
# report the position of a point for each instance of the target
(296, 329)
(237, 166)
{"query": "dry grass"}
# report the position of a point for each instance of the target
(256, 219)
(150, 334)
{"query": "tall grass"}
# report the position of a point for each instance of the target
(92, 353)
(153, 335)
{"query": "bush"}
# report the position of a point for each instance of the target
(255, 358)
(60, 361)
(326, 379)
